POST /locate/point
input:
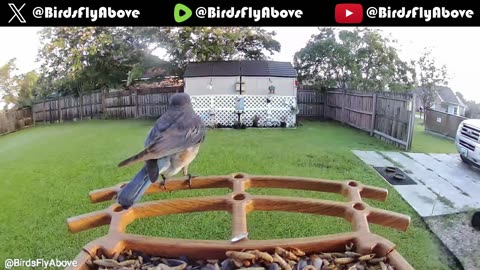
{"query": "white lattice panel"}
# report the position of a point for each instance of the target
(255, 101)
(227, 102)
(202, 102)
(220, 109)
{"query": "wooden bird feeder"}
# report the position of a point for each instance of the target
(239, 203)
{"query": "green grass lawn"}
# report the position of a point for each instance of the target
(46, 173)
(426, 143)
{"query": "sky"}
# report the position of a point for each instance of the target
(455, 47)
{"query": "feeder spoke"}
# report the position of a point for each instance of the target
(239, 219)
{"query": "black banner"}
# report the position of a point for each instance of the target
(239, 13)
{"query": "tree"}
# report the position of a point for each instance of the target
(101, 56)
(360, 59)
(472, 109)
(26, 85)
(147, 62)
(104, 56)
(430, 75)
(7, 83)
(16, 89)
(256, 44)
(324, 61)
(185, 44)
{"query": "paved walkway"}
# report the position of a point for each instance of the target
(445, 185)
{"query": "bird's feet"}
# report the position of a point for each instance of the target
(163, 184)
(190, 178)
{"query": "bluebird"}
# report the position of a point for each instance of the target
(171, 145)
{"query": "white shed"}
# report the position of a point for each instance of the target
(268, 88)
(254, 77)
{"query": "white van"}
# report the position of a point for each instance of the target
(467, 141)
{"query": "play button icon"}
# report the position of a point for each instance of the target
(349, 13)
(181, 13)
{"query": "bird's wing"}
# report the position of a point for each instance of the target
(169, 118)
(187, 132)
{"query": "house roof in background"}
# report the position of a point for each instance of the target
(241, 68)
(446, 94)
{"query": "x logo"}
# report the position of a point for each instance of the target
(17, 13)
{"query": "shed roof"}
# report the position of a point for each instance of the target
(240, 68)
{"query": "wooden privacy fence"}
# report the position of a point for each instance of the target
(386, 115)
(68, 108)
(112, 105)
(442, 123)
(14, 120)
(311, 104)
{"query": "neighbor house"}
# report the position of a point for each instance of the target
(445, 101)
(266, 89)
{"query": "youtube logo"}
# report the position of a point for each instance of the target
(348, 13)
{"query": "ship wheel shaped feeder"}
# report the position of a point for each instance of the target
(239, 203)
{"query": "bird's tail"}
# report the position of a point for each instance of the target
(136, 158)
(133, 191)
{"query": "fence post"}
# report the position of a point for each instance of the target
(50, 111)
(91, 105)
(44, 113)
(103, 103)
(395, 122)
(324, 104)
(81, 105)
(343, 107)
(59, 112)
(78, 110)
(411, 124)
(374, 112)
(445, 130)
(33, 112)
(135, 94)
